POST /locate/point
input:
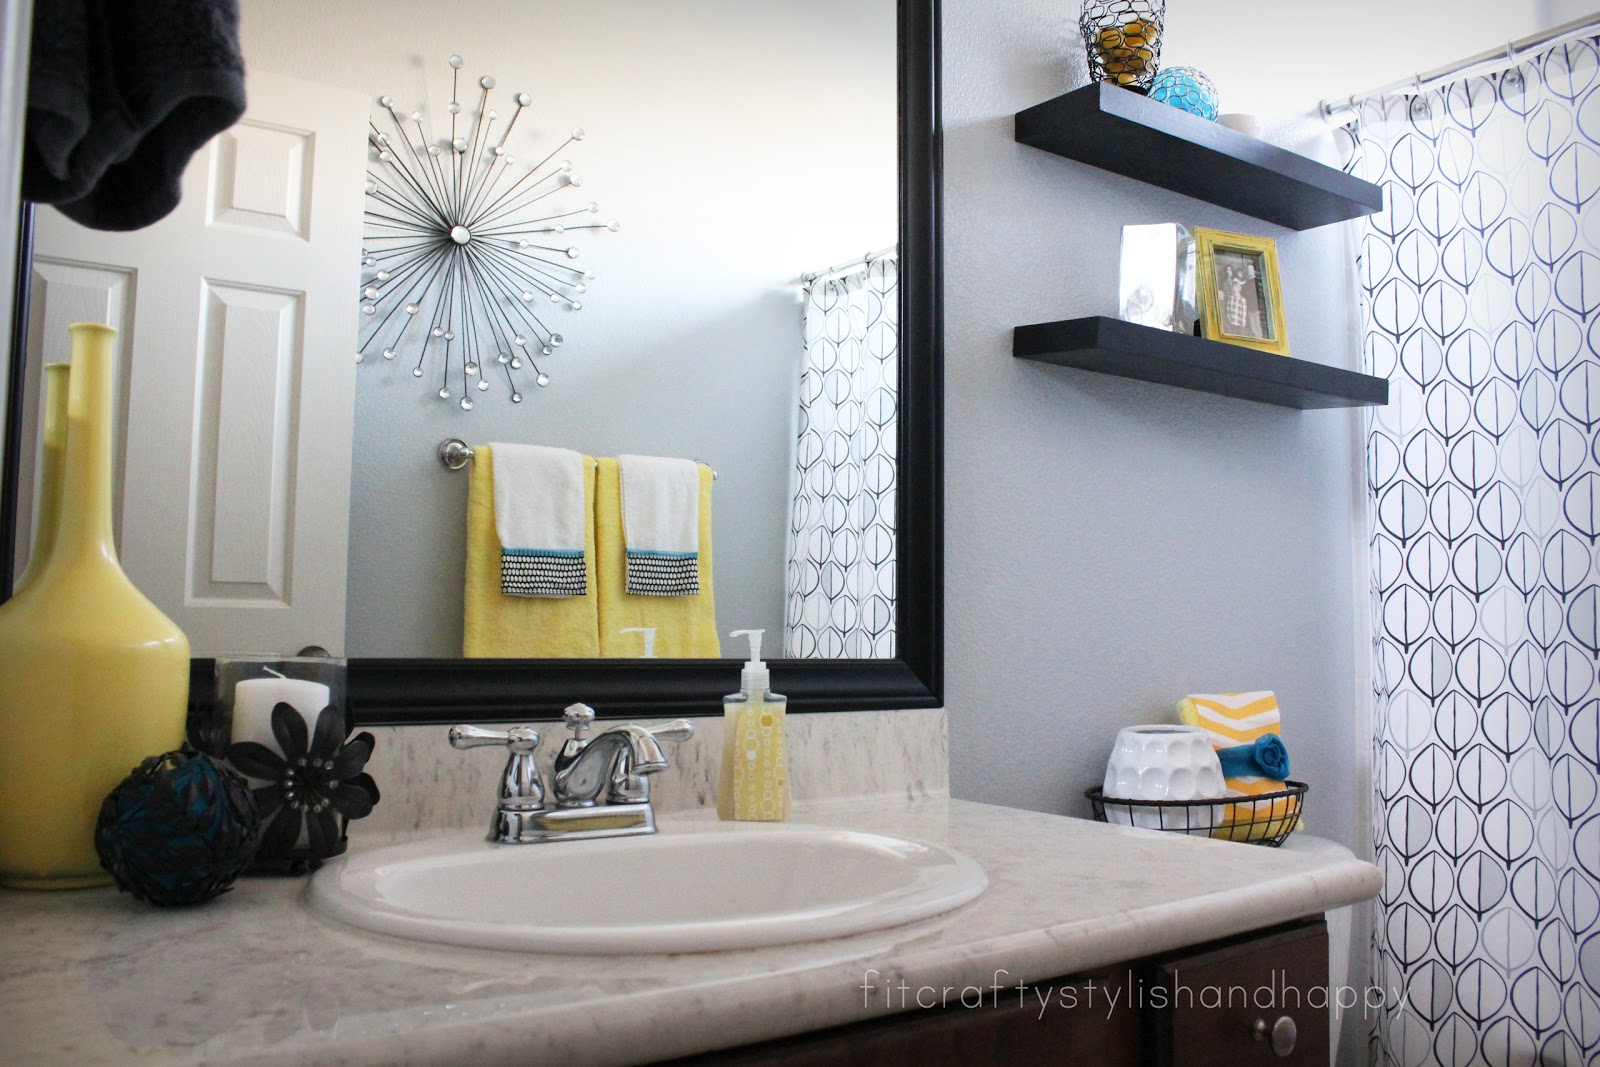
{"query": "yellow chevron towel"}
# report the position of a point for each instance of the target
(686, 626)
(514, 627)
(1240, 719)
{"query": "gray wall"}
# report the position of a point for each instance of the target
(1113, 545)
(1555, 12)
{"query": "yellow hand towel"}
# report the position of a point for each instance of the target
(510, 627)
(686, 626)
(1239, 719)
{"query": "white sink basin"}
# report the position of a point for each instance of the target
(738, 887)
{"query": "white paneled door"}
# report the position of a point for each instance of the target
(237, 325)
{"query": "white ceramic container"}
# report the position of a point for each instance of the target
(1164, 762)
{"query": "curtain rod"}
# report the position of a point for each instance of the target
(882, 253)
(1510, 55)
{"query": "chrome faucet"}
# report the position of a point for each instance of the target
(600, 786)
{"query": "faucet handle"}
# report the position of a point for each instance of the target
(521, 790)
(578, 717)
(634, 786)
(676, 730)
(516, 738)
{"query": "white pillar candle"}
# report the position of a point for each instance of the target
(253, 701)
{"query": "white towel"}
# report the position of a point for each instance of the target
(539, 517)
(661, 524)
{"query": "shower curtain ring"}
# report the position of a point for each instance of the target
(1419, 106)
(1513, 60)
(1512, 70)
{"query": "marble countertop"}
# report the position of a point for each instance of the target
(93, 976)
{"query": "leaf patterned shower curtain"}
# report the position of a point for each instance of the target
(1481, 282)
(841, 568)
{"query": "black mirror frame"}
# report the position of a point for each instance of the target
(423, 691)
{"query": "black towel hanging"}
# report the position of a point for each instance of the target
(121, 93)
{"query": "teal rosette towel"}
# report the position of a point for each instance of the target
(1266, 757)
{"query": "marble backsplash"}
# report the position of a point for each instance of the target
(427, 785)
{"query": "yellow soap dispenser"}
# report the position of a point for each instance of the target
(754, 785)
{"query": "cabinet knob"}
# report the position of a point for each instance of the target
(1281, 1034)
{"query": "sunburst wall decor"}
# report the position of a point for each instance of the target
(461, 254)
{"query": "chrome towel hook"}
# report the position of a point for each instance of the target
(454, 453)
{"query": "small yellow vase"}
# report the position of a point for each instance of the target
(93, 678)
(48, 506)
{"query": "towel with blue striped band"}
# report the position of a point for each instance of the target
(540, 518)
(661, 525)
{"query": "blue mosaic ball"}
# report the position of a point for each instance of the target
(1186, 89)
(178, 830)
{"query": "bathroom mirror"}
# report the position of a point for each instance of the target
(409, 676)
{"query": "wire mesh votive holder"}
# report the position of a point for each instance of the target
(1261, 819)
(1122, 40)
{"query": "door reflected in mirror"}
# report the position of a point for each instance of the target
(743, 317)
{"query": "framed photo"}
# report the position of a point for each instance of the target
(1241, 299)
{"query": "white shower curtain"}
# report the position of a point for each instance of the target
(1481, 282)
(840, 579)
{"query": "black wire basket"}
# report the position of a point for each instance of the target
(1122, 40)
(1262, 819)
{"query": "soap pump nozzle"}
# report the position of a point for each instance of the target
(755, 678)
(649, 633)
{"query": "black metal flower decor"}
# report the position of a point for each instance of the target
(317, 785)
(178, 830)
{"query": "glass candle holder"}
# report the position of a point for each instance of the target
(249, 687)
(283, 723)
(1122, 39)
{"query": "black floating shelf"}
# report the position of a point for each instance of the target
(1129, 134)
(1128, 350)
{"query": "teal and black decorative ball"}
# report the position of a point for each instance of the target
(178, 830)
(1188, 90)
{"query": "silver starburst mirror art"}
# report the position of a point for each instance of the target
(465, 260)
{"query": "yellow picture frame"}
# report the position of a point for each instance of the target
(1240, 295)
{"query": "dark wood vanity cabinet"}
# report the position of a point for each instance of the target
(1255, 999)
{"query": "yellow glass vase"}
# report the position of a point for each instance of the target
(93, 677)
(52, 459)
